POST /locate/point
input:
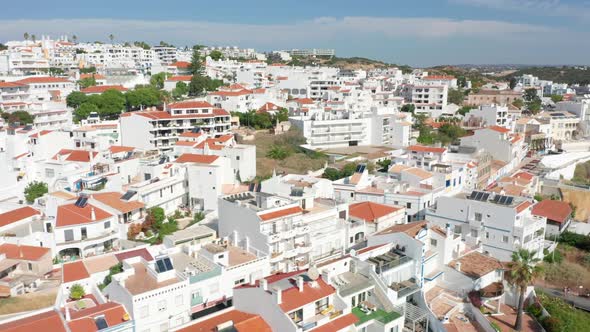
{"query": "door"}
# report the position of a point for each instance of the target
(84, 233)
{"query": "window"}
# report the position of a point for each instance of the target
(478, 216)
(162, 305)
(296, 316)
(504, 238)
(408, 205)
(143, 312)
(457, 229)
(107, 224)
(321, 305)
(433, 242)
(69, 235)
(487, 235)
(393, 329)
(239, 281)
(30, 266)
(178, 300)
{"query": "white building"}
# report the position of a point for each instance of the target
(500, 224)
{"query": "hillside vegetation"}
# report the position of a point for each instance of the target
(569, 75)
(346, 63)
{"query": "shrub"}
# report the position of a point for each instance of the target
(495, 326)
(77, 292)
(575, 240)
(277, 152)
(554, 257)
(475, 299)
(535, 309)
(35, 190)
(177, 214)
(551, 324)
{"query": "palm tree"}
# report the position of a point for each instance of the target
(111, 37)
(522, 270)
(74, 38)
(26, 36)
(33, 38)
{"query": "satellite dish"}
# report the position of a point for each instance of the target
(313, 273)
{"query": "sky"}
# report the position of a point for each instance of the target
(418, 32)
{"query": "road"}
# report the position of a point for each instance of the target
(578, 302)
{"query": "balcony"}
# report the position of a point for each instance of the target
(365, 314)
(276, 257)
(405, 288)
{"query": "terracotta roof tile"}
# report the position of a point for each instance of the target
(280, 213)
(412, 228)
(557, 211)
(113, 199)
(190, 104)
(70, 215)
(338, 324)
(30, 253)
(19, 214)
(369, 211)
(46, 321)
(196, 158)
(135, 253)
(40, 79)
(477, 265)
(120, 148)
(424, 148)
(74, 271)
(243, 322)
(83, 320)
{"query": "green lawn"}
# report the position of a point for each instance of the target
(380, 315)
(563, 316)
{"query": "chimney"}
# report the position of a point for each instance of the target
(458, 266)
(300, 283)
(92, 214)
(264, 284)
(279, 293)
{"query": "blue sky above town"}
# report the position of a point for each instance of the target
(421, 32)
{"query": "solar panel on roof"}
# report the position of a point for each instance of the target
(167, 263)
(478, 196)
(101, 323)
(496, 198)
(503, 200)
(160, 266)
(509, 200)
(485, 196)
(128, 195)
(81, 201)
(473, 193)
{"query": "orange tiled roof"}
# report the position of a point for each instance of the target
(557, 211)
(13, 216)
(46, 321)
(190, 104)
(41, 133)
(280, 213)
(70, 215)
(75, 155)
(476, 265)
(113, 199)
(338, 324)
(412, 228)
(370, 211)
(178, 78)
(423, 148)
(243, 322)
(30, 253)
(83, 320)
(499, 129)
(120, 148)
(41, 79)
(74, 271)
(292, 298)
(196, 158)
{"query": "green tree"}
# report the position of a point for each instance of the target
(331, 174)
(111, 38)
(461, 81)
(157, 80)
(3, 47)
(142, 44)
(34, 38)
(408, 108)
(76, 98)
(456, 96)
(196, 65)
(77, 292)
(512, 83)
(35, 190)
(84, 111)
(277, 152)
(180, 90)
(88, 70)
(26, 36)
(518, 103)
(74, 38)
(143, 96)
(87, 82)
(556, 98)
(158, 214)
(197, 86)
(532, 100)
(523, 269)
(22, 117)
(464, 110)
(283, 115)
(216, 55)
(110, 103)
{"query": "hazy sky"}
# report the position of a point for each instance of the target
(419, 32)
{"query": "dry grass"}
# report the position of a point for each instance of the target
(572, 272)
(581, 200)
(26, 302)
(297, 161)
